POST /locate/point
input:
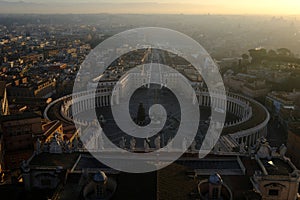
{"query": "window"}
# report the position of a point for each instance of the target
(273, 192)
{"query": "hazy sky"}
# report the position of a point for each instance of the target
(273, 7)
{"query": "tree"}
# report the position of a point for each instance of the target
(284, 52)
(272, 53)
(257, 55)
(245, 56)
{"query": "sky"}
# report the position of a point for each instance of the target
(265, 7)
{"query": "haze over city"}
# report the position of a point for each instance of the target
(254, 7)
(149, 99)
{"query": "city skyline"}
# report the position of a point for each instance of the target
(149, 106)
(233, 7)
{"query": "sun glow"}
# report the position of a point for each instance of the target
(252, 7)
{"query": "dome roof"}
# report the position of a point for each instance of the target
(215, 179)
(100, 177)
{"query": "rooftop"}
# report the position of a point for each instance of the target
(24, 115)
(88, 161)
(172, 182)
(277, 167)
(54, 160)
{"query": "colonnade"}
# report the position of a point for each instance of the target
(237, 105)
(234, 104)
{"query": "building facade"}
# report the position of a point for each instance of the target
(18, 132)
